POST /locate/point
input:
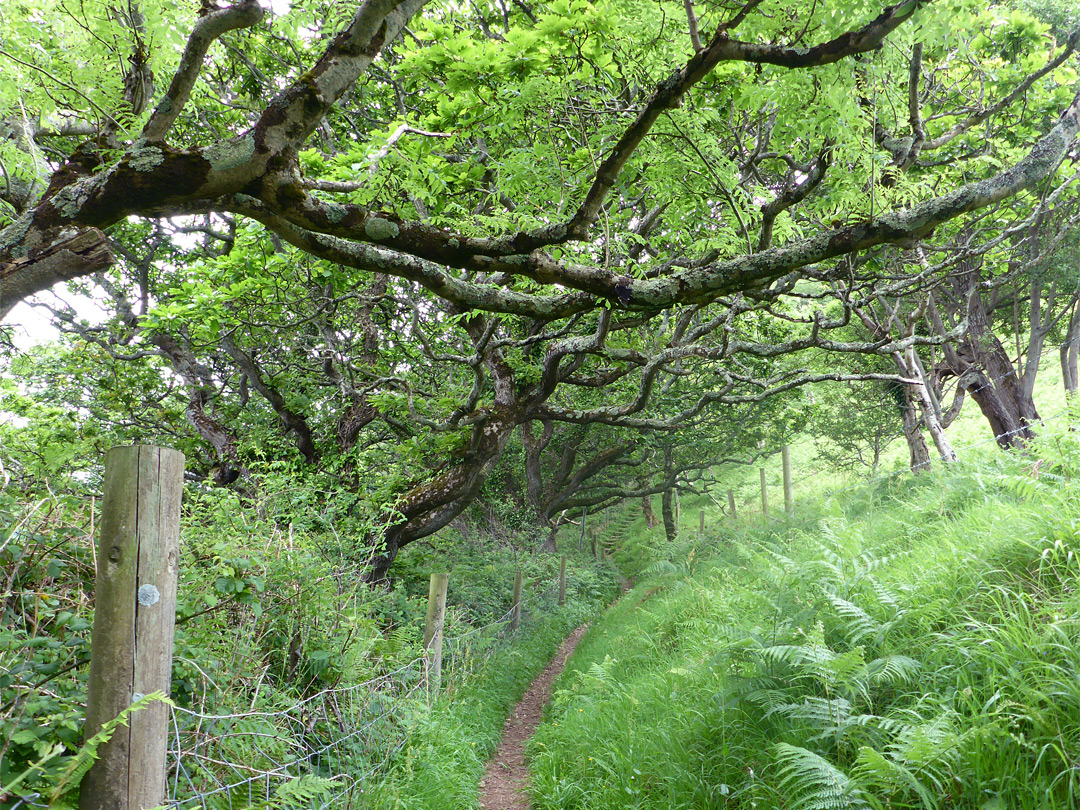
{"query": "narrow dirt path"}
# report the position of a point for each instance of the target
(504, 785)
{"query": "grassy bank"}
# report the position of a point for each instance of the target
(907, 644)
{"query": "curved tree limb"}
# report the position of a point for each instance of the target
(210, 26)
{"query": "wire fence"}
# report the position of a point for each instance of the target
(325, 750)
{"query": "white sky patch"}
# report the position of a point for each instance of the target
(32, 326)
(29, 327)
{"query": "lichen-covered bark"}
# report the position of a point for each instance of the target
(256, 174)
(647, 511)
(430, 506)
(980, 363)
(154, 179)
(919, 454)
(1070, 353)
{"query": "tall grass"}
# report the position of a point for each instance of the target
(910, 644)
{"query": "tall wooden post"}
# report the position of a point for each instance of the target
(134, 615)
(731, 503)
(701, 523)
(515, 614)
(433, 626)
(764, 494)
(562, 580)
(789, 492)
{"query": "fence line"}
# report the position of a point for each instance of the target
(333, 741)
(327, 735)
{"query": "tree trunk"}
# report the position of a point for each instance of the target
(430, 506)
(1069, 352)
(667, 504)
(647, 510)
(983, 367)
(930, 409)
(1002, 415)
(920, 454)
(550, 544)
(997, 391)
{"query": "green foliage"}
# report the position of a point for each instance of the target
(47, 571)
(62, 773)
(443, 760)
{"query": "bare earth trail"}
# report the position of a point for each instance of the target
(504, 785)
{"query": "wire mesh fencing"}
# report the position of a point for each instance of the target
(325, 750)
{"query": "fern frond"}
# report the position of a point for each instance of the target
(874, 768)
(664, 568)
(798, 655)
(87, 754)
(931, 748)
(859, 625)
(814, 783)
(887, 599)
(764, 698)
(299, 792)
(819, 712)
(893, 670)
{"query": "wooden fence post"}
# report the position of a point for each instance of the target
(789, 492)
(731, 503)
(515, 614)
(562, 580)
(701, 524)
(433, 626)
(764, 495)
(134, 616)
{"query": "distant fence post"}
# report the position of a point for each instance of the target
(789, 491)
(731, 503)
(764, 494)
(701, 523)
(433, 626)
(515, 611)
(134, 615)
(562, 580)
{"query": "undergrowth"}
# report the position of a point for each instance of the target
(911, 644)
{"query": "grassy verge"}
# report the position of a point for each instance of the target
(910, 644)
(442, 762)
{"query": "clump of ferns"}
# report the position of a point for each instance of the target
(842, 701)
(842, 745)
